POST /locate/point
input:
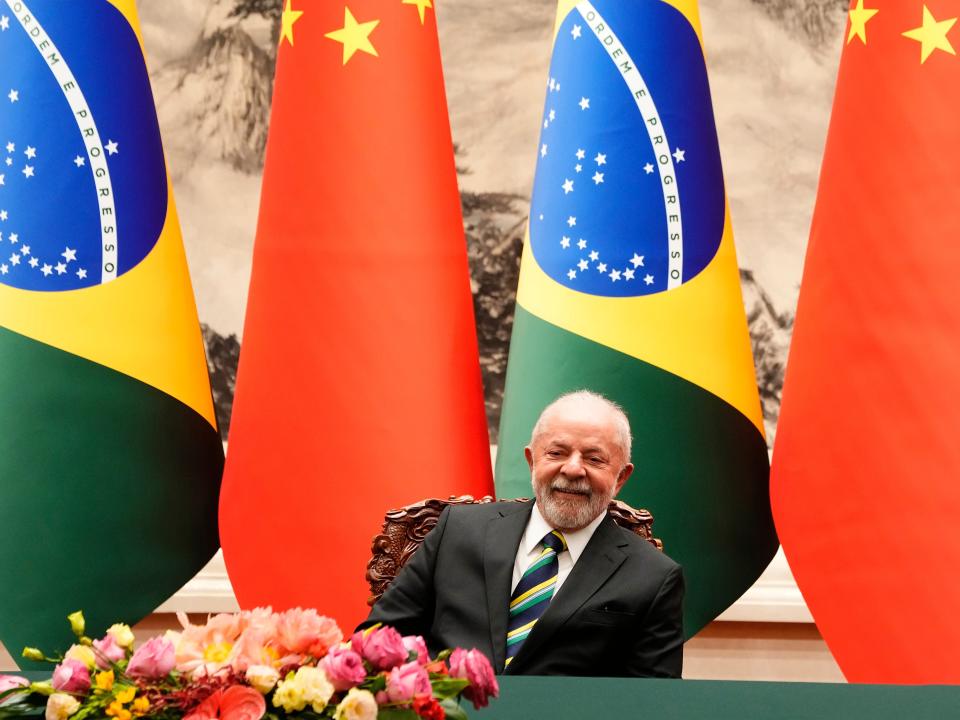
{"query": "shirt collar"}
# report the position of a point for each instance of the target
(577, 540)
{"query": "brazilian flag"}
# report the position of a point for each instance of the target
(629, 286)
(110, 459)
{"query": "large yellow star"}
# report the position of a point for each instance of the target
(932, 35)
(289, 17)
(422, 5)
(354, 36)
(858, 22)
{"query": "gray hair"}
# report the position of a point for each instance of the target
(620, 416)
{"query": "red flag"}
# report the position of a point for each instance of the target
(865, 490)
(359, 384)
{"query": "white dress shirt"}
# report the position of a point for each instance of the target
(530, 547)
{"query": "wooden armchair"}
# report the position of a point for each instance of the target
(405, 529)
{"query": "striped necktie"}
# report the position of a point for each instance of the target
(533, 592)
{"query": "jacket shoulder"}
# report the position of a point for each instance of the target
(644, 551)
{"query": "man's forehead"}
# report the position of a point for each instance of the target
(579, 421)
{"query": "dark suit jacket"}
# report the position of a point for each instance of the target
(618, 613)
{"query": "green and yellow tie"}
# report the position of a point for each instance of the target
(534, 592)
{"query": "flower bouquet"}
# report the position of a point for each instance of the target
(251, 665)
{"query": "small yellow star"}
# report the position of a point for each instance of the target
(932, 35)
(858, 22)
(421, 6)
(289, 17)
(354, 36)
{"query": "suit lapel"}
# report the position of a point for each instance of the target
(500, 552)
(599, 560)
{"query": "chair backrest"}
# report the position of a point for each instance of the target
(405, 529)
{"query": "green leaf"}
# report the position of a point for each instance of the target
(392, 713)
(448, 687)
(444, 655)
(453, 710)
(376, 683)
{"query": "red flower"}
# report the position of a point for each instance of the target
(428, 708)
(237, 702)
(437, 667)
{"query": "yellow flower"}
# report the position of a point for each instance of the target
(126, 695)
(217, 652)
(114, 709)
(77, 623)
(357, 705)
(140, 706)
(122, 635)
(317, 689)
(262, 677)
(105, 680)
(290, 696)
(33, 654)
(82, 654)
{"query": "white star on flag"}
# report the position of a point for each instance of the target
(33, 262)
(584, 103)
(628, 274)
(47, 270)
(14, 259)
(552, 115)
(602, 267)
(594, 255)
(81, 273)
(678, 155)
(598, 177)
(61, 268)
(578, 167)
(575, 32)
(600, 159)
(581, 243)
(571, 274)
(28, 171)
(614, 275)
(14, 238)
(112, 147)
(69, 254)
(25, 250)
(571, 221)
(11, 147)
(79, 161)
(30, 152)
(9, 161)
(4, 23)
(583, 264)
(4, 269)
(564, 242)
(543, 150)
(13, 95)
(648, 168)
(581, 154)
(567, 186)
(648, 279)
(637, 260)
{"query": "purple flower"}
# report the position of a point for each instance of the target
(107, 651)
(344, 667)
(382, 647)
(406, 682)
(154, 659)
(71, 676)
(473, 666)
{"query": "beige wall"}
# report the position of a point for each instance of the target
(722, 651)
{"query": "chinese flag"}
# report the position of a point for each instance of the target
(359, 383)
(866, 469)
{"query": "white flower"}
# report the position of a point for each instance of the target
(262, 677)
(357, 705)
(60, 706)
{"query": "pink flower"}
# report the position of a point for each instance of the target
(253, 648)
(154, 659)
(71, 676)
(344, 668)
(9, 682)
(382, 647)
(304, 632)
(107, 651)
(415, 643)
(237, 702)
(474, 666)
(406, 682)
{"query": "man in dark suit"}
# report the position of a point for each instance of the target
(551, 587)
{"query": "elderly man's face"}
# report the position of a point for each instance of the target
(577, 465)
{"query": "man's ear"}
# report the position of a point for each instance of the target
(528, 454)
(622, 478)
